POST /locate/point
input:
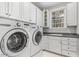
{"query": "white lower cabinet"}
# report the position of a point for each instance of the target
(70, 49)
(45, 43)
(64, 52)
(62, 45)
(73, 54)
(55, 44)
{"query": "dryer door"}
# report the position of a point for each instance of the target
(37, 37)
(14, 42)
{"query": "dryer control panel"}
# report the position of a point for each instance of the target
(18, 24)
(26, 25)
(33, 26)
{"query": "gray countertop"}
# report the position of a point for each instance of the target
(63, 35)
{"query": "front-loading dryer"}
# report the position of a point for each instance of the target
(36, 39)
(14, 39)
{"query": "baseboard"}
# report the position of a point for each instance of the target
(55, 53)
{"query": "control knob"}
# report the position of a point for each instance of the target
(18, 24)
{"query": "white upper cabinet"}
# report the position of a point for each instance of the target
(78, 20)
(28, 12)
(46, 21)
(9, 9)
(25, 11)
(33, 13)
(39, 17)
(3, 9)
(72, 14)
(14, 10)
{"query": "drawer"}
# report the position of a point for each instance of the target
(64, 41)
(72, 54)
(65, 47)
(69, 53)
(64, 52)
(73, 39)
(71, 48)
(72, 43)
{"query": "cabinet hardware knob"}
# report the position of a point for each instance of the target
(30, 20)
(6, 13)
(9, 14)
(18, 24)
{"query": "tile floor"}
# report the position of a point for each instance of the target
(49, 54)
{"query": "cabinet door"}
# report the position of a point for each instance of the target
(14, 10)
(3, 9)
(78, 20)
(46, 21)
(65, 52)
(45, 42)
(69, 53)
(33, 13)
(65, 41)
(72, 14)
(55, 45)
(25, 11)
(39, 17)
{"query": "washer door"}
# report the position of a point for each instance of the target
(37, 37)
(14, 42)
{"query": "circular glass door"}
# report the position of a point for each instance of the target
(37, 38)
(16, 42)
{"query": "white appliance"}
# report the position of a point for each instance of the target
(14, 39)
(36, 38)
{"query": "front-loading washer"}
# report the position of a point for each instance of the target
(14, 39)
(36, 39)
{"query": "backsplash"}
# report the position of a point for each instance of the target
(62, 30)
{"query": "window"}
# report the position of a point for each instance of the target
(57, 18)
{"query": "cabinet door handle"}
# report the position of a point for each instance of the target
(60, 42)
(30, 20)
(9, 14)
(6, 13)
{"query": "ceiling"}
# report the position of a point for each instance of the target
(43, 5)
